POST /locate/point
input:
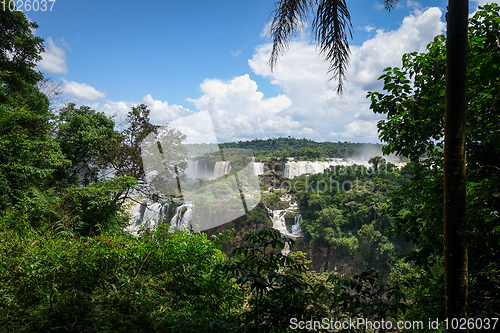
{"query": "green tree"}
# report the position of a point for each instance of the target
(156, 282)
(414, 126)
(126, 156)
(331, 26)
(81, 133)
(278, 290)
(28, 153)
(19, 50)
(376, 162)
(148, 152)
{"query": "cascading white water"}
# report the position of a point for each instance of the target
(258, 168)
(196, 169)
(278, 219)
(279, 223)
(296, 230)
(182, 217)
(297, 168)
(146, 216)
(221, 168)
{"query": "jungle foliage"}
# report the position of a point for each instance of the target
(415, 125)
(341, 210)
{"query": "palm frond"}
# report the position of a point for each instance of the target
(389, 4)
(289, 16)
(332, 27)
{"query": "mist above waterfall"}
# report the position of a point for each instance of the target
(371, 151)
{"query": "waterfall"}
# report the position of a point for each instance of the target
(297, 168)
(221, 168)
(182, 217)
(286, 249)
(258, 168)
(146, 216)
(196, 169)
(296, 225)
(279, 222)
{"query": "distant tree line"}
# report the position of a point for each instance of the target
(303, 149)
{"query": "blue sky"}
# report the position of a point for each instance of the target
(183, 57)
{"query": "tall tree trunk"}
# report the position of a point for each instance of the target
(455, 224)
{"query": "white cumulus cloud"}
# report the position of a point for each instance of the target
(360, 129)
(239, 111)
(368, 28)
(82, 91)
(161, 113)
(387, 47)
(53, 59)
(309, 106)
(302, 75)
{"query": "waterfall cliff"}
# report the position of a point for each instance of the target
(221, 168)
(200, 169)
(144, 215)
(297, 168)
(182, 217)
(296, 225)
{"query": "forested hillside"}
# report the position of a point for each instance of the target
(303, 149)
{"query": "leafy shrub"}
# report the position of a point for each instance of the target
(113, 283)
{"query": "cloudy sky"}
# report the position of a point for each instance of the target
(184, 57)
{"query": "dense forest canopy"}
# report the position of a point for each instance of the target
(306, 148)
